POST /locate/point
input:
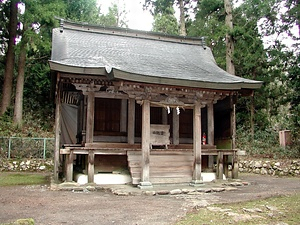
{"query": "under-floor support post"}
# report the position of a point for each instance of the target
(220, 165)
(91, 168)
(69, 160)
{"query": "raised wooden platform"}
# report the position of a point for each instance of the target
(172, 165)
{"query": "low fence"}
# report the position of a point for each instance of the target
(18, 148)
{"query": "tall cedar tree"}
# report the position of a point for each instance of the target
(10, 58)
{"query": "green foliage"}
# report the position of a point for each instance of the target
(156, 7)
(265, 144)
(293, 83)
(209, 22)
(28, 221)
(82, 11)
(165, 24)
(115, 17)
(35, 124)
(164, 16)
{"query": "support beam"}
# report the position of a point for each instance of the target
(69, 162)
(145, 176)
(91, 167)
(225, 157)
(233, 122)
(197, 179)
(235, 166)
(84, 117)
(57, 131)
(220, 165)
(123, 116)
(210, 131)
(90, 117)
(235, 169)
(164, 114)
(80, 120)
(175, 127)
(131, 121)
(210, 124)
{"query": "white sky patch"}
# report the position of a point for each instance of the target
(137, 18)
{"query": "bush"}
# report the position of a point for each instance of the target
(265, 143)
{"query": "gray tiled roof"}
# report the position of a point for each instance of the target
(127, 55)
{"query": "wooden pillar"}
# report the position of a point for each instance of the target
(233, 122)
(91, 168)
(220, 165)
(90, 117)
(123, 116)
(197, 179)
(84, 115)
(80, 120)
(57, 130)
(145, 176)
(210, 124)
(235, 169)
(210, 131)
(164, 114)
(225, 157)
(69, 162)
(131, 121)
(235, 166)
(175, 127)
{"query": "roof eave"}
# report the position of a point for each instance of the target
(56, 66)
(119, 74)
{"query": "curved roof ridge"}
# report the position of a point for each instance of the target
(65, 24)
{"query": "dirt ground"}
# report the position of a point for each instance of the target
(100, 207)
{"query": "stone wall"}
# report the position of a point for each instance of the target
(258, 166)
(270, 167)
(29, 165)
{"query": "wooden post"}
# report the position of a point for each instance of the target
(145, 179)
(175, 127)
(91, 168)
(131, 121)
(57, 130)
(197, 179)
(210, 124)
(123, 116)
(220, 165)
(235, 169)
(210, 131)
(235, 166)
(225, 157)
(233, 123)
(84, 116)
(164, 116)
(80, 121)
(90, 117)
(69, 159)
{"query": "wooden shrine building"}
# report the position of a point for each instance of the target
(143, 102)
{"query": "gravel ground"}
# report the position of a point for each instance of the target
(102, 207)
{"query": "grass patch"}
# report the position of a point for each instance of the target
(10, 179)
(267, 211)
(28, 221)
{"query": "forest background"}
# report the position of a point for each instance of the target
(264, 34)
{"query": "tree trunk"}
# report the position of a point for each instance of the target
(182, 18)
(229, 40)
(10, 59)
(18, 110)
